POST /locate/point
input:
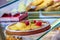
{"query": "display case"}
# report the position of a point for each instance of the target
(53, 17)
(52, 35)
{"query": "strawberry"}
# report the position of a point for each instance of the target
(6, 15)
(16, 15)
(34, 21)
(27, 22)
(38, 23)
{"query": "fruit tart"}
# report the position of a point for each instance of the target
(27, 27)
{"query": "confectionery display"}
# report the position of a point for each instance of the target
(30, 20)
(46, 5)
(55, 7)
(27, 27)
(24, 26)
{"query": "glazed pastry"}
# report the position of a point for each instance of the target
(45, 4)
(34, 3)
(50, 8)
(56, 5)
(57, 8)
(53, 7)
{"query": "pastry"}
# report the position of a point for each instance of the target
(45, 4)
(32, 27)
(50, 8)
(23, 26)
(53, 7)
(34, 3)
(57, 8)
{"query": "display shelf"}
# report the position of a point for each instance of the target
(44, 15)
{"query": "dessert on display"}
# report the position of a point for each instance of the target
(44, 5)
(24, 26)
(54, 7)
(27, 27)
(13, 17)
(21, 27)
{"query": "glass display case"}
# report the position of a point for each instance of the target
(52, 35)
(53, 17)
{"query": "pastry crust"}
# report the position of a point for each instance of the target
(53, 7)
(34, 3)
(45, 4)
(57, 9)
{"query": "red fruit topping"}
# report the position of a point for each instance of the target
(4, 15)
(27, 22)
(39, 23)
(7, 15)
(16, 15)
(34, 21)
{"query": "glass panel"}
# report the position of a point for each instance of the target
(53, 26)
(4, 3)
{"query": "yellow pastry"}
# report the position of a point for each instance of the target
(33, 26)
(53, 7)
(57, 8)
(34, 3)
(25, 29)
(13, 28)
(20, 25)
(45, 4)
(25, 26)
(50, 8)
(17, 26)
(56, 4)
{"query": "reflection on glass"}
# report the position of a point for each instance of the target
(4, 3)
